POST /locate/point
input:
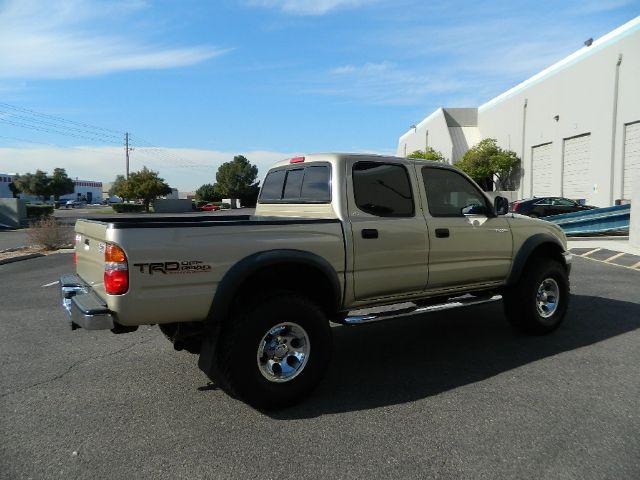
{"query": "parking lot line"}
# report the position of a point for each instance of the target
(617, 255)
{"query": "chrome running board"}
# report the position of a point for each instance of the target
(416, 310)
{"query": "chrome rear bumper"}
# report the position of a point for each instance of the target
(84, 308)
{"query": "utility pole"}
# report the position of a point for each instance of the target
(126, 151)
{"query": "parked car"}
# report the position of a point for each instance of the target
(332, 233)
(209, 207)
(545, 206)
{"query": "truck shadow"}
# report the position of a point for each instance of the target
(403, 360)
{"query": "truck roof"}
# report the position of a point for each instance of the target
(338, 157)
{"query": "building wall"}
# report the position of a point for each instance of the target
(82, 190)
(573, 97)
(580, 93)
(5, 180)
(432, 130)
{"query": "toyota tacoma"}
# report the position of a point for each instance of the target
(332, 235)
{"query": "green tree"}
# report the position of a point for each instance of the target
(208, 193)
(486, 161)
(60, 184)
(14, 190)
(237, 179)
(145, 186)
(117, 185)
(34, 184)
(428, 153)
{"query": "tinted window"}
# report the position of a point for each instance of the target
(449, 193)
(315, 186)
(564, 202)
(293, 184)
(382, 189)
(273, 184)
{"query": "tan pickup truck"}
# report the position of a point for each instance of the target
(332, 234)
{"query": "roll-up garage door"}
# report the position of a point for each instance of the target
(631, 156)
(576, 173)
(541, 168)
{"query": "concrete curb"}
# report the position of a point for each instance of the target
(20, 258)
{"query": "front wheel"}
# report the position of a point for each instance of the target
(538, 303)
(275, 352)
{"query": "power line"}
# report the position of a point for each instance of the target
(54, 117)
(51, 130)
(41, 122)
(45, 123)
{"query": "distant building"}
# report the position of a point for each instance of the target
(187, 195)
(5, 180)
(85, 190)
(575, 125)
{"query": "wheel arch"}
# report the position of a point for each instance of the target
(540, 244)
(284, 267)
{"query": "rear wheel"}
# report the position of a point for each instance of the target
(275, 351)
(537, 304)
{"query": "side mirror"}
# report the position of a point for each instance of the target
(501, 205)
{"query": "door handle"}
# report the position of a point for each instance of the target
(369, 233)
(442, 232)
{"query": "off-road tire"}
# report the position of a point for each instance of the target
(520, 300)
(239, 343)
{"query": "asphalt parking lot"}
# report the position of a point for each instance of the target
(449, 395)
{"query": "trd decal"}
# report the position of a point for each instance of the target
(190, 266)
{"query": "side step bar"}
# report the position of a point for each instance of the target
(415, 310)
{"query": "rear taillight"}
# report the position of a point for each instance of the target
(515, 206)
(297, 160)
(116, 270)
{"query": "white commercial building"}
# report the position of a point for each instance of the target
(84, 190)
(575, 125)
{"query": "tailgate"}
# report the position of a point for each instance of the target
(91, 238)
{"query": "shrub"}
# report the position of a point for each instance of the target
(127, 207)
(39, 211)
(49, 234)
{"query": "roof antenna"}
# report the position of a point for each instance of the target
(588, 42)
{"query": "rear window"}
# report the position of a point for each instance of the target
(293, 184)
(316, 186)
(273, 184)
(311, 184)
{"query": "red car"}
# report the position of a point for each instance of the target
(209, 207)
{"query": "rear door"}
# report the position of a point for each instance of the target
(390, 241)
(468, 244)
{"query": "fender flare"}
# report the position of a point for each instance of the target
(238, 273)
(527, 249)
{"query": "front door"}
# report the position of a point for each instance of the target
(468, 244)
(390, 241)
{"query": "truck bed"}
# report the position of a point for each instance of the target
(176, 263)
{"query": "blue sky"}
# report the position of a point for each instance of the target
(267, 78)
